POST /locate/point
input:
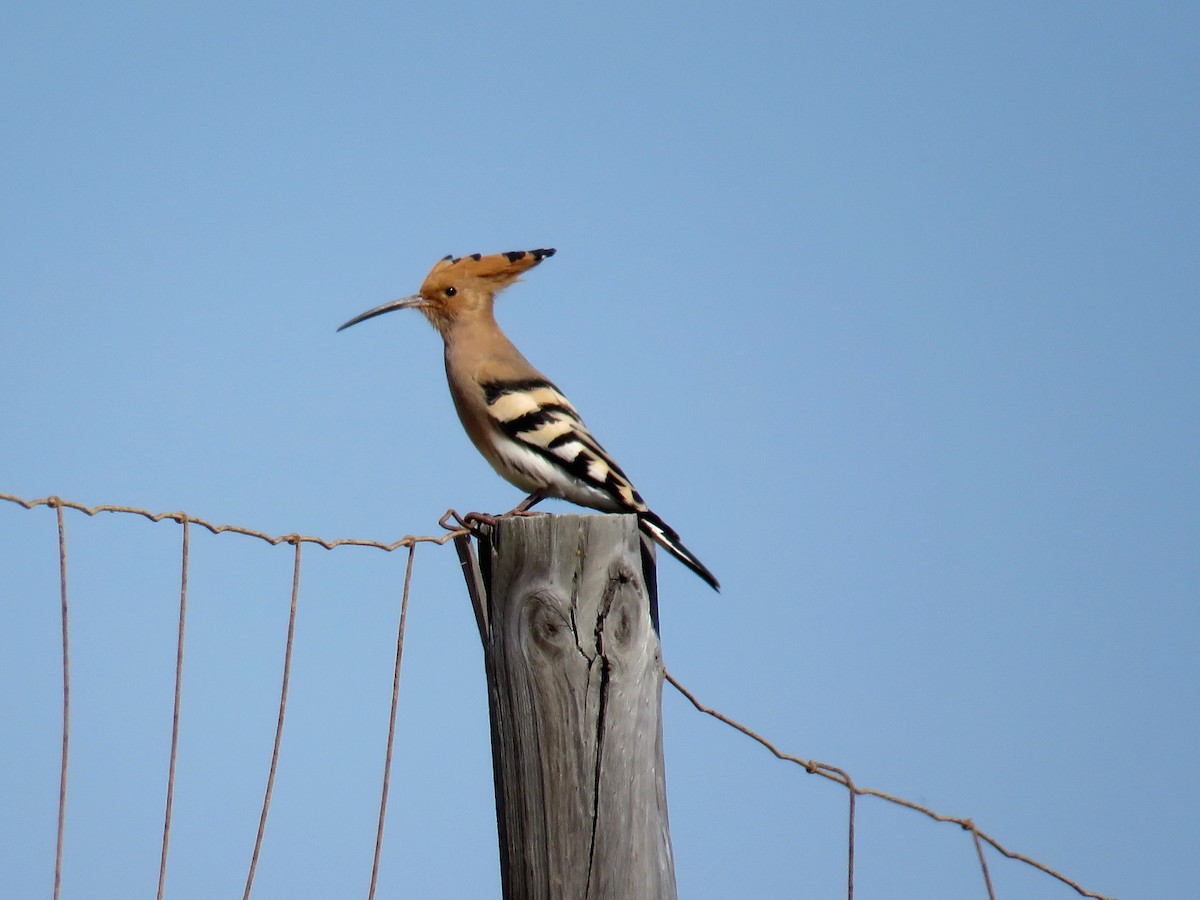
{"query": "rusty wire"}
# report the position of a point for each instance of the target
(183, 586)
(462, 527)
(833, 773)
(407, 541)
(66, 704)
(987, 876)
(391, 738)
(849, 842)
(283, 695)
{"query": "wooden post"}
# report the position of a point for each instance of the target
(574, 676)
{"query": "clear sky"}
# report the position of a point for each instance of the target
(891, 310)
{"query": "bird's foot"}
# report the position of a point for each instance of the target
(525, 506)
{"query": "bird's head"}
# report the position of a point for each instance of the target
(458, 287)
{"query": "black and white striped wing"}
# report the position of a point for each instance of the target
(542, 435)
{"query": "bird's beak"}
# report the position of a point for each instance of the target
(414, 302)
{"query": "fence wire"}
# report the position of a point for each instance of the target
(461, 528)
(66, 704)
(183, 583)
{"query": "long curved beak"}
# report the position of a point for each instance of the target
(413, 302)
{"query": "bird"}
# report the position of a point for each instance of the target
(516, 417)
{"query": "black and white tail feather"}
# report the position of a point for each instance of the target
(666, 536)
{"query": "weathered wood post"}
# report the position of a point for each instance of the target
(574, 675)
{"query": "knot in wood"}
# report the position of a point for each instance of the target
(545, 624)
(621, 623)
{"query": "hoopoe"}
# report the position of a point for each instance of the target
(515, 416)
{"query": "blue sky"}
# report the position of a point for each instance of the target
(890, 311)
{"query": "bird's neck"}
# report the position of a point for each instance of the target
(471, 341)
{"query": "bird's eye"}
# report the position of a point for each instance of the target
(450, 291)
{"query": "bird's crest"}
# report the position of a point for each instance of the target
(497, 269)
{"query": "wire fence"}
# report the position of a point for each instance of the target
(456, 527)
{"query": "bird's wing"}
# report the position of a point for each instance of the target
(540, 434)
(538, 420)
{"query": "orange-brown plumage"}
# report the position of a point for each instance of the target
(465, 287)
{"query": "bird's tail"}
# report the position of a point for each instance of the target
(664, 534)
